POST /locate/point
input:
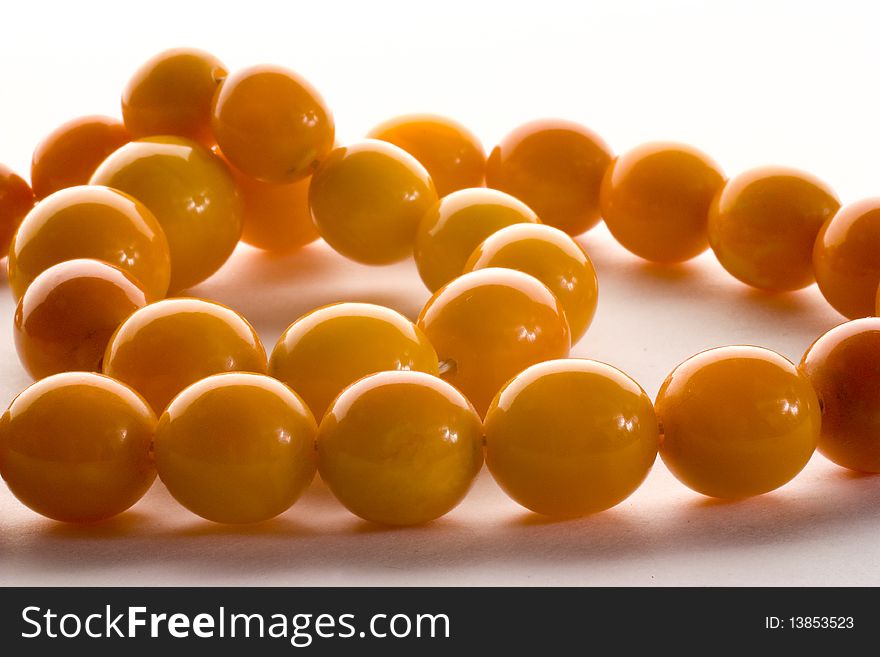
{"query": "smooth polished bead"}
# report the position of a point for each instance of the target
(91, 222)
(452, 154)
(844, 367)
(655, 200)
(332, 347)
(75, 447)
(367, 200)
(455, 225)
(400, 448)
(570, 437)
(192, 194)
(764, 222)
(555, 167)
(489, 325)
(67, 315)
(69, 155)
(162, 348)
(16, 200)
(737, 421)
(551, 256)
(236, 448)
(171, 94)
(846, 258)
(272, 124)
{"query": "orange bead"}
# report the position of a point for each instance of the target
(764, 222)
(844, 367)
(272, 124)
(16, 200)
(655, 200)
(69, 155)
(452, 154)
(556, 168)
(67, 315)
(846, 260)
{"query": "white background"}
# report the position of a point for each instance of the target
(751, 83)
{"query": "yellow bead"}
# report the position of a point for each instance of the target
(655, 200)
(737, 421)
(570, 437)
(163, 348)
(489, 325)
(367, 200)
(332, 347)
(551, 256)
(400, 448)
(236, 448)
(455, 226)
(75, 447)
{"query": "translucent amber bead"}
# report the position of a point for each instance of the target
(489, 325)
(763, 224)
(555, 167)
(67, 315)
(551, 256)
(737, 421)
(329, 348)
(846, 258)
(451, 230)
(191, 193)
(570, 437)
(844, 367)
(91, 222)
(367, 200)
(452, 154)
(162, 348)
(236, 448)
(272, 124)
(69, 155)
(655, 200)
(75, 447)
(400, 448)
(16, 200)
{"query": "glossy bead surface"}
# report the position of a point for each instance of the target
(236, 448)
(737, 421)
(551, 256)
(171, 94)
(490, 324)
(764, 222)
(556, 168)
(75, 447)
(844, 367)
(367, 200)
(846, 258)
(451, 230)
(272, 124)
(67, 315)
(16, 200)
(69, 155)
(452, 154)
(162, 348)
(192, 194)
(655, 200)
(332, 347)
(570, 437)
(400, 448)
(91, 222)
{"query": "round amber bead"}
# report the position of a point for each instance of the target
(16, 200)
(91, 222)
(166, 346)
(400, 448)
(75, 447)
(655, 200)
(236, 448)
(555, 167)
(451, 230)
(763, 224)
(737, 421)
